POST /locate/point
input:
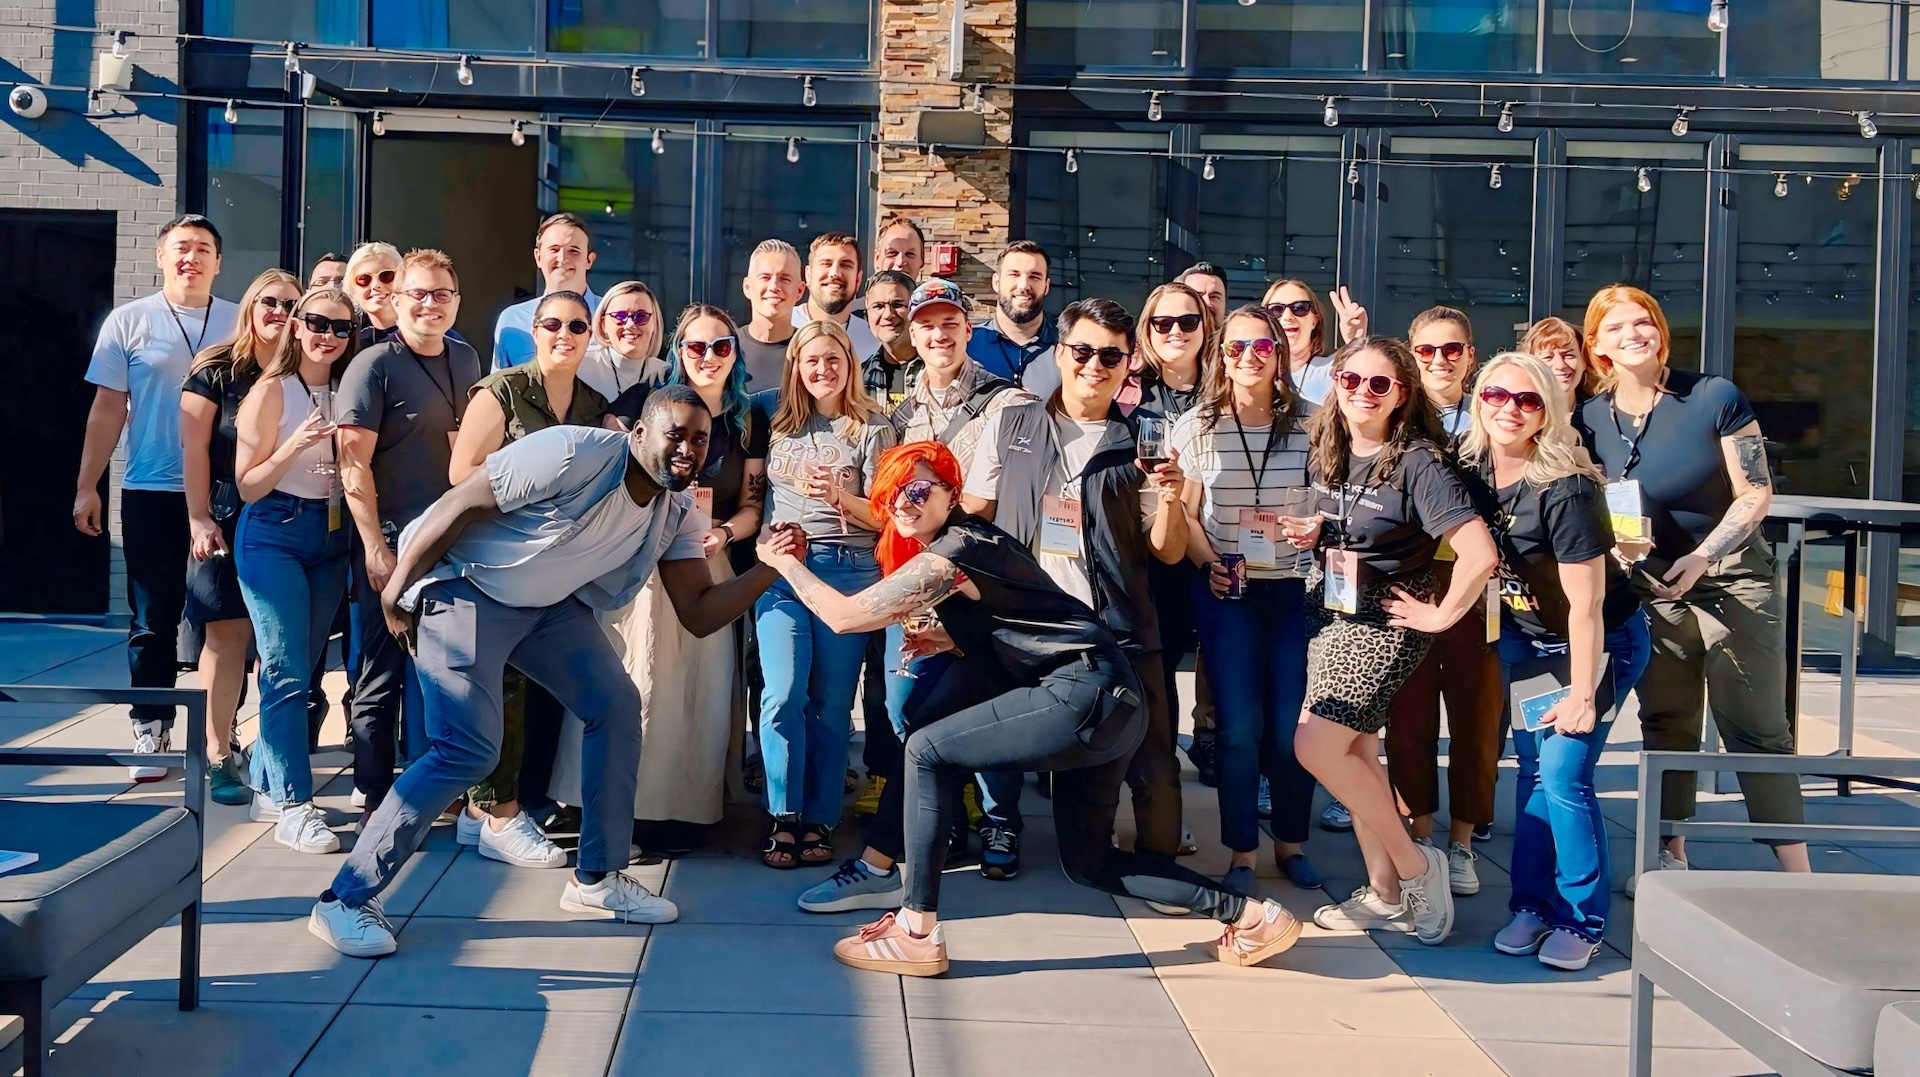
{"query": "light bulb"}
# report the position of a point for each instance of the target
(1779, 185)
(1330, 115)
(609, 209)
(1868, 129)
(120, 44)
(807, 96)
(1717, 16)
(1248, 3)
(232, 114)
(1206, 169)
(1916, 189)
(1493, 177)
(1153, 107)
(1505, 123)
(659, 141)
(1353, 173)
(379, 124)
(1680, 124)
(1073, 162)
(519, 136)
(465, 71)
(979, 99)
(793, 151)
(1643, 179)
(637, 83)
(292, 62)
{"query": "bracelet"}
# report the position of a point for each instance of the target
(727, 526)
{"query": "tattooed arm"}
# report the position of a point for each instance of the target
(1746, 458)
(917, 585)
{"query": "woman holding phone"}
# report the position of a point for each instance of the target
(1561, 594)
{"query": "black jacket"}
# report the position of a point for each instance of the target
(1116, 549)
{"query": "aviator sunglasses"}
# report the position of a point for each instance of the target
(1378, 385)
(1529, 403)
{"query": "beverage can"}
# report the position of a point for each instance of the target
(1236, 566)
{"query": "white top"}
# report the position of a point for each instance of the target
(1226, 469)
(145, 349)
(313, 473)
(864, 342)
(1316, 381)
(610, 373)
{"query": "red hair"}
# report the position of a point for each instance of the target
(897, 467)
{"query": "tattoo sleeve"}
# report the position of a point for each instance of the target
(1751, 451)
(1750, 461)
(920, 583)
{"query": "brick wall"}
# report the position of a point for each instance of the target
(960, 197)
(65, 161)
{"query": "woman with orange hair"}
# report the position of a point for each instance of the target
(1039, 684)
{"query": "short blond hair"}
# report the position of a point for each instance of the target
(429, 258)
(375, 251)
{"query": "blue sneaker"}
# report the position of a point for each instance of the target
(999, 852)
(857, 885)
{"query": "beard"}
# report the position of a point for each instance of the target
(1017, 314)
(832, 307)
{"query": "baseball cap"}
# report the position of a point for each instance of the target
(934, 292)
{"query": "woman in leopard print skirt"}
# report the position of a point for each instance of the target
(1388, 498)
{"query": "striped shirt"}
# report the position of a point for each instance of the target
(1226, 469)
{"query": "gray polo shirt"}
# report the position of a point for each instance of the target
(414, 402)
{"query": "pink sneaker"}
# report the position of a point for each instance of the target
(1275, 934)
(885, 946)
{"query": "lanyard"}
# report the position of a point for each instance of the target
(445, 394)
(1266, 455)
(1632, 443)
(193, 346)
(1349, 496)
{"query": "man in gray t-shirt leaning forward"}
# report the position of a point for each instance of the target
(510, 566)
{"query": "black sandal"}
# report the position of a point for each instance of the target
(790, 848)
(816, 850)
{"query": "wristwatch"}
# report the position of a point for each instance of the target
(727, 526)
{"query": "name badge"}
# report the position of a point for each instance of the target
(1342, 584)
(1259, 533)
(334, 520)
(1059, 526)
(1530, 713)
(1492, 607)
(703, 503)
(1444, 552)
(1625, 507)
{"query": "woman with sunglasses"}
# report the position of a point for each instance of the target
(1296, 308)
(210, 402)
(1561, 594)
(1556, 342)
(292, 550)
(1461, 666)
(1388, 499)
(373, 274)
(504, 407)
(626, 341)
(1689, 450)
(1039, 684)
(1244, 448)
(827, 437)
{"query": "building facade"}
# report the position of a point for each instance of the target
(1504, 156)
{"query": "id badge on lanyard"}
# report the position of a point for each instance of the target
(703, 503)
(1627, 509)
(1259, 535)
(1060, 526)
(1491, 605)
(1342, 581)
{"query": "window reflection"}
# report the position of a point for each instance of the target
(332, 176)
(639, 206)
(1103, 225)
(629, 27)
(1639, 37)
(1453, 238)
(1111, 33)
(794, 29)
(765, 196)
(1810, 39)
(1455, 35)
(243, 194)
(1654, 240)
(1290, 34)
(1263, 220)
(318, 22)
(480, 25)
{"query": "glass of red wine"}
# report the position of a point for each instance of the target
(1150, 441)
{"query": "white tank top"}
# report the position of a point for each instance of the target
(315, 471)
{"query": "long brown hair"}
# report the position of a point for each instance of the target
(796, 404)
(241, 351)
(286, 357)
(1209, 329)
(1412, 424)
(1216, 397)
(1318, 338)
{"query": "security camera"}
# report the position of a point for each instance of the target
(28, 102)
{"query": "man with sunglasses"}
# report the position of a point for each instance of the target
(1018, 333)
(772, 286)
(562, 253)
(400, 404)
(144, 352)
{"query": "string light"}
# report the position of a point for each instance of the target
(120, 44)
(1779, 185)
(232, 114)
(1353, 173)
(1073, 162)
(465, 71)
(1916, 188)
(292, 62)
(1206, 169)
(1680, 124)
(1868, 129)
(793, 151)
(1493, 177)
(379, 124)
(519, 136)
(1505, 123)
(1643, 179)
(1330, 115)
(637, 82)
(1154, 112)
(979, 99)
(807, 96)
(659, 144)
(933, 155)
(1717, 16)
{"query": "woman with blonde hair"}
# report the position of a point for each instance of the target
(826, 439)
(1179, 344)
(626, 341)
(373, 276)
(1564, 605)
(1557, 343)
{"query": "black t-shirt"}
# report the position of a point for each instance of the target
(216, 382)
(765, 362)
(1539, 528)
(1396, 527)
(1023, 621)
(414, 403)
(1684, 487)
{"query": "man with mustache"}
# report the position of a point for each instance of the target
(511, 565)
(833, 282)
(1018, 333)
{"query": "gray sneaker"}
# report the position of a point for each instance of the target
(1523, 934)
(1429, 899)
(1366, 910)
(856, 886)
(1565, 950)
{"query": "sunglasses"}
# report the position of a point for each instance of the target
(361, 280)
(320, 325)
(721, 347)
(1528, 403)
(639, 319)
(575, 328)
(1377, 386)
(332, 280)
(918, 491)
(442, 296)
(1451, 351)
(1166, 323)
(273, 304)
(1299, 308)
(1262, 349)
(1087, 353)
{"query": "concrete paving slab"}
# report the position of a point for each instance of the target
(738, 890)
(270, 878)
(1259, 1054)
(508, 965)
(476, 888)
(1590, 1006)
(1310, 990)
(129, 1037)
(1520, 1059)
(763, 1045)
(242, 959)
(983, 1049)
(1042, 978)
(734, 968)
(421, 1042)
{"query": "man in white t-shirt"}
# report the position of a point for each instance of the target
(143, 355)
(833, 282)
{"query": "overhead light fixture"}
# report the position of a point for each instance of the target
(1353, 173)
(1154, 112)
(807, 96)
(1493, 177)
(120, 44)
(1330, 115)
(1073, 162)
(1779, 185)
(979, 99)
(1505, 123)
(793, 151)
(1206, 168)
(1680, 124)
(519, 136)
(637, 82)
(1868, 129)
(465, 71)
(292, 61)
(1717, 16)
(1643, 179)
(659, 143)
(379, 123)
(232, 113)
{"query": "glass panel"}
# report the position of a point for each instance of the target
(1634, 38)
(639, 204)
(243, 194)
(1104, 224)
(1123, 33)
(332, 177)
(479, 25)
(1454, 239)
(1907, 631)
(629, 27)
(316, 22)
(1810, 39)
(1456, 35)
(1293, 34)
(1803, 310)
(1263, 220)
(1654, 240)
(765, 196)
(794, 29)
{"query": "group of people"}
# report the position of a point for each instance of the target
(609, 576)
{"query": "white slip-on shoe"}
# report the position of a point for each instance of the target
(1429, 899)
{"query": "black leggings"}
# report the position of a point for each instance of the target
(1039, 728)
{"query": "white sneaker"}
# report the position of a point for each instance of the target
(1668, 862)
(617, 897)
(1462, 879)
(303, 828)
(1366, 910)
(520, 843)
(357, 800)
(466, 828)
(1429, 900)
(1169, 910)
(361, 932)
(263, 810)
(148, 739)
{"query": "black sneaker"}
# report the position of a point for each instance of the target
(999, 852)
(1483, 832)
(959, 844)
(1200, 754)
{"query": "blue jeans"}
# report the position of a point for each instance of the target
(292, 573)
(811, 673)
(1560, 868)
(1255, 652)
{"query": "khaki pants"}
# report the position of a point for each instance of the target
(1723, 643)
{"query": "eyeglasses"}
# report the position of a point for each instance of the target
(721, 347)
(1529, 403)
(1087, 353)
(1262, 349)
(576, 327)
(1165, 323)
(361, 280)
(331, 280)
(1451, 351)
(898, 306)
(320, 325)
(1377, 386)
(442, 296)
(637, 318)
(918, 491)
(273, 304)
(1299, 308)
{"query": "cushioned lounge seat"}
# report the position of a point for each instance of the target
(1896, 1045)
